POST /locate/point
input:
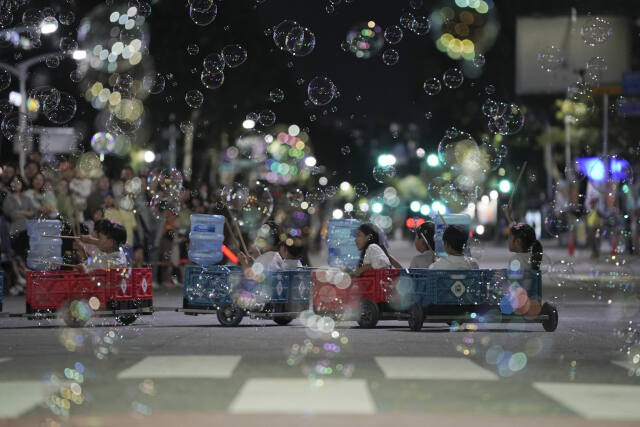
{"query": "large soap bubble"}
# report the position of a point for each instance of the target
(321, 91)
(300, 41)
(457, 148)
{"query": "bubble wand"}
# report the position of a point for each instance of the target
(235, 223)
(507, 209)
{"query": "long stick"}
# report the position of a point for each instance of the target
(515, 187)
(235, 223)
(443, 220)
(53, 236)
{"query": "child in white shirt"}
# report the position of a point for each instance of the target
(454, 239)
(109, 253)
(372, 253)
(270, 259)
(291, 251)
(424, 243)
(527, 250)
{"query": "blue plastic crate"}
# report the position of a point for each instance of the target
(281, 287)
(500, 283)
(209, 287)
(448, 287)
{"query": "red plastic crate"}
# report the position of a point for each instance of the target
(84, 286)
(377, 286)
(120, 284)
(143, 281)
(46, 290)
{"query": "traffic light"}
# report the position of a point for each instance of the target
(414, 206)
(433, 160)
(504, 186)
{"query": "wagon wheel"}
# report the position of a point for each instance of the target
(416, 317)
(229, 315)
(368, 314)
(283, 321)
(551, 323)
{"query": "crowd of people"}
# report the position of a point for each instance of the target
(62, 190)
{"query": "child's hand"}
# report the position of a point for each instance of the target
(245, 260)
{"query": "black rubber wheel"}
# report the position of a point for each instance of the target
(126, 319)
(368, 314)
(416, 317)
(283, 321)
(229, 315)
(551, 323)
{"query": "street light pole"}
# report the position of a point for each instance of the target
(20, 71)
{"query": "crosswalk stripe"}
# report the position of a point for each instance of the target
(629, 366)
(19, 397)
(433, 368)
(182, 367)
(303, 396)
(4, 359)
(596, 401)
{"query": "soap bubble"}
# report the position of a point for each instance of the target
(214, 62)
(60, 109)
(300, 41)
(281, 31)
(267, 118)
(478, 60)
(432, 86)
(252, 144)
(420, 25)
(212, 79)
(390, 57)
(201, 5)
(490, 108)
(186, 126)
(595, 68)
(5, 79)
(252, 207)
(457, 148)
(194, 98)
(453, 78)
(203, 17)
(345, 150)
(393, 34)
(295, 197)
(361, 189)
(68, 45)
(234, 55)
(550, 58)
(102, 142)
(11, 128)
(513, 118)
(193, 49)
(596, 30)
(406, 19)
(67, 17)
(76, 76)
(276, 95)
(383, 173)
(321, 91)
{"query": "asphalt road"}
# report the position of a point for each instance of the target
(173, 369)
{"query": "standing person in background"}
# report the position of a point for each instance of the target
(31, 169)
(42, 197)
(18, 208)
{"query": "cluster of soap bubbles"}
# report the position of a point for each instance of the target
(452, 79)
(594, 70)
(296, 39)
(251, 206)
(384, 173)
(66, 390)
(203, 12)
(165, 187)
(504, 119)
(415, 21)
(507, 362)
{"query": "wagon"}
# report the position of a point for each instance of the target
(281, 296)
(489, 296)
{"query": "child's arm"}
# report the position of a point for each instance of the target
(394, 262)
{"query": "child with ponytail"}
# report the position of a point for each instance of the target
(525, 246)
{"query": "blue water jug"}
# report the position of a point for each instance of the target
(206, 238)
(341, 235)
(45, 253)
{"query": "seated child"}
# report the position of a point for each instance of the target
(291, 251)
(372, 253)
(526, 248)
(454, 239)
(109, 253)
(268, 239)
(424, 243)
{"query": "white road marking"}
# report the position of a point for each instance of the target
(182, 367)
(4, 359)
(19, 397)
(433, 368)
(303, 396)
(596, 401)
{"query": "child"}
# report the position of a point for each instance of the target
(268, 239)
(372, 253)
(527, 249)
(291, 251)
(111, 238)
(454, 239)
(424, 243)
